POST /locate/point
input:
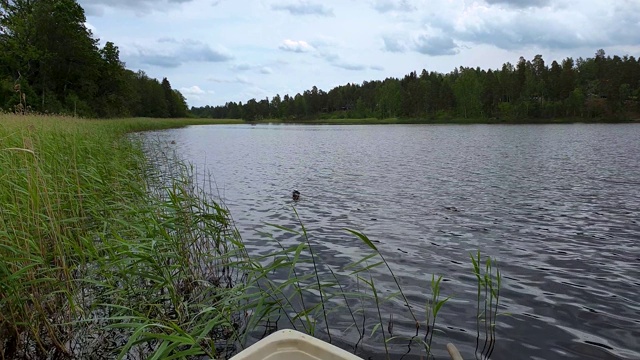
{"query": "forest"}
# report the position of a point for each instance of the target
(50, 63)
(599, 88)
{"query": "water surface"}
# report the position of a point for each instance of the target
(557, 205)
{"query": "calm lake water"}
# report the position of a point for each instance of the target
(557, 205)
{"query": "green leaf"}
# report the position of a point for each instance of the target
(283, 228)
(349, 266)
(436, 308)
(367, 268)
(364, 238)
(375, 328)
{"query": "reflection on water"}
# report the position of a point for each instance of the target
(557, 205)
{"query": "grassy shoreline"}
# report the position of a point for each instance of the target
(399, 121)
(112, 249)
(95, 242)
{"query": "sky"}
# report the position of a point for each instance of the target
(215, 51)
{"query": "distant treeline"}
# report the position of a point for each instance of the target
(600, 87)
(51, 63)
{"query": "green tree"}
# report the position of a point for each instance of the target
(490, 94)
(389, 99)
(47, 50)
(575, 103)
(179, 102)
(468, 91)
(567, 78)
(115, 94)
(168, 97)
(300, 106)
(152, 101)
(275, 106)
(552, 86)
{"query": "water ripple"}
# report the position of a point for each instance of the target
(557, 205)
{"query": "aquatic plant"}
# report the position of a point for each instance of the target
(489, 281)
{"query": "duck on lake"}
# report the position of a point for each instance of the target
(296, 195)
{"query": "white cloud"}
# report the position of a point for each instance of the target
(297, 46)
(266, 70)
(140, 7)
(171, 53)
(242, 67)
(304, 8)
(519, 3)
(237, 80)
(435, 45)
(349, 66)
(193, 90)
(384, 6)
(243, 79)
(526, 23)
(394, 44)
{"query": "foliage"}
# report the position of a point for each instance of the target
(47, 49)
(602, 87)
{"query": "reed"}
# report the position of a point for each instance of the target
(489, 281)
(98, 248)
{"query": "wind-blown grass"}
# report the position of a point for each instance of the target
(113, 249)
(89, 237)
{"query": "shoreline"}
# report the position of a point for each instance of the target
(396, 121)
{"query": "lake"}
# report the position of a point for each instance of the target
(558, 206)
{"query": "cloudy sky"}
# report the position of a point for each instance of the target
(216, 51)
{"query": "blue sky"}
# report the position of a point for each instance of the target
(216, 51)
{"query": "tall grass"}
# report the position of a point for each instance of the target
(112, 249)
(94, 245)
